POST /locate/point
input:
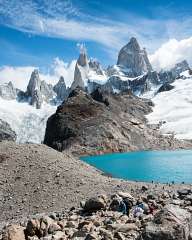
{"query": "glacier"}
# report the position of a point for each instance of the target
(175, 108)
(28, 122)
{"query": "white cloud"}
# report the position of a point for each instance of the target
(171, 53)
(60, 68)
(20, 76)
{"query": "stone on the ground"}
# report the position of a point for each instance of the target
(13, 232)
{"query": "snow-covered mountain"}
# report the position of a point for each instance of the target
(174, 108)
(27, 111)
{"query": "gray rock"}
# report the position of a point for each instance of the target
(165, 87)
(47, 91)
(60, 89)
(79, 76)
(6, 133)
(95, 203)
(171, 223)
(179, 68)
(134, 59)
(7, 91)
(81, 71)
(96, 66)
(33, 90)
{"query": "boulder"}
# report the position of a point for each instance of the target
(95, 204)
(172, 223)
(13, 232)
(33, 227)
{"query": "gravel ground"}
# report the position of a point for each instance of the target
(36, 179)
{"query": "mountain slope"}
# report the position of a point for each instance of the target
(102, 122)
(174, 107)
(28, 122)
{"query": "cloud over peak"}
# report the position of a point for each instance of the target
(171, 53)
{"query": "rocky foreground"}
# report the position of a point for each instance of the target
(38, 179)
(121, 216)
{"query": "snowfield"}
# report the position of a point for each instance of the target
(28, 122)
(175, 107)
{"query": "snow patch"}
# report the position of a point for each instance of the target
(174, 107)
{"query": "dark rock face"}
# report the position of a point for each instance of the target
(165, 87)
(60, 89)
(134, 59)
(99, 96)
(6, 133)
(89, 126)
(7, 91)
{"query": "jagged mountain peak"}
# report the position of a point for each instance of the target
(61, 89)
(61, 80)
(34, 82)
(135, 59)
(133, 43)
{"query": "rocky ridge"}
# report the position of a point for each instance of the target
(38, 91)
(103, 122)
(133, 72)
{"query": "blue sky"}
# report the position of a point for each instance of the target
(34, 32)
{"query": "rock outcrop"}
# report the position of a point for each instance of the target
(95, 66)
(179, 68)
(33, 90)
(6, 133)
(81, 70)
(61, 89)
(7, 91)
(47, 91)
(115, 122)
(172, 222)
(135, 59)
(39, 91)
(165, 87)
(171, 75)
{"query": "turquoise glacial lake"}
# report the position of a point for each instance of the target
(148, 166)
